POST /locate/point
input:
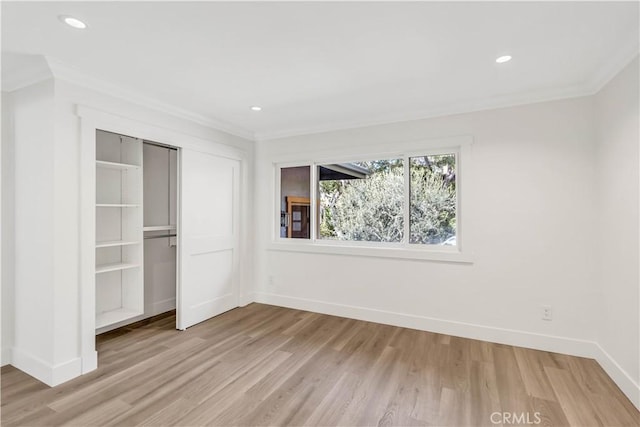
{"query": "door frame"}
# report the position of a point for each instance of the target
(92, 120)
(296, 201)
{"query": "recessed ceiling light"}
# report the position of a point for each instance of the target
(72, 22)
(256, 108)
(503, 59)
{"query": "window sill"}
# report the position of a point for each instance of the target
(341, 248)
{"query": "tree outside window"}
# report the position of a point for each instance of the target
(369, 206)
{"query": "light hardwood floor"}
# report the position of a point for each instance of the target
(265, 365)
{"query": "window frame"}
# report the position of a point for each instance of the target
(407, 195)
(461, 252)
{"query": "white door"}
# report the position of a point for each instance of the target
(208, 270)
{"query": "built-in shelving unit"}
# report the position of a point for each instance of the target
(115, 316)
(114, 266)
(115, 165)
(119, 229)
(117, 205)
(160, 228)
(112, 243)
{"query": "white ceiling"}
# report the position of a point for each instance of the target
(327, 65)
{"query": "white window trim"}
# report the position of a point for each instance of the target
(461, 253)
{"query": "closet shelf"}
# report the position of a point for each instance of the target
(159, 228)
(112, 243)
(114, 165)
(110, 317)
(105, 268)
(117, 205)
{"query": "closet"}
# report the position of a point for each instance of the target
(136, 233)
(160, 239)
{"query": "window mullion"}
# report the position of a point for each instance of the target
(407, 200)
(278, 205)
(314, 217)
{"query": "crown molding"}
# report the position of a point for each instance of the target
(33, 70)
(532, 97)
(599, 79)
(609, 69)
(63, 72)
(43, 68)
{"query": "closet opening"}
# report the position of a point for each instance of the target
(136, 229)
(160, 186)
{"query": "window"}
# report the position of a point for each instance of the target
(433, 200)
(295, 202)
(362, 201)
(409, 202)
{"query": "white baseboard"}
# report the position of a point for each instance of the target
(163, 306)
(517, 338)
(246, 299)
(66, 371)
(5, 357)
(551, 343)
(51, 375)
(89, 362)
(619, 376)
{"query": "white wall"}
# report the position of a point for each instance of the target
(532, 220)
(7, 232)
(65, 226)
(618, 137)
(47, 218)
(33, 348)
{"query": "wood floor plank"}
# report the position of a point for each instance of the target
(32, 417)
(351, 329)
(362, 410)
(335, 403)
(176, 376)
(511, 388)
(549, 412)
(145, 409)
(614, 412)
(298, 392)
(449, 407)
(98, 415)
(573, 400)
(168, 415)
(535, 379)
(484, 392)
(428, 390)
(136, 375)
(224, 394)
(381, 408)
(267, 365)
(480, 351)
(407, 388)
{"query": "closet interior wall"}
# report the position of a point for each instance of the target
(160, 215)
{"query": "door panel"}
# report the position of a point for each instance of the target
(208, 251)
(300, 222)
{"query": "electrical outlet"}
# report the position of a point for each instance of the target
(272, 283)
(547, 312)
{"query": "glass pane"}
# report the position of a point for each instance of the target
(433, 200)
(361, 201)
(295, 211)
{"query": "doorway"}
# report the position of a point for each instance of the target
(160, 188)
(298, 214)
